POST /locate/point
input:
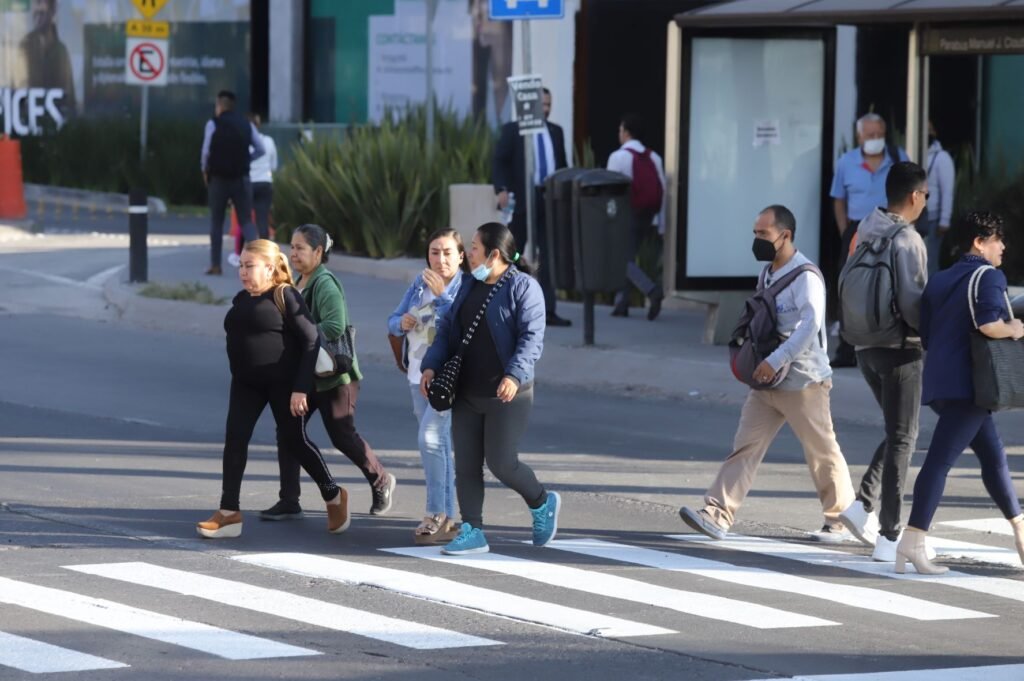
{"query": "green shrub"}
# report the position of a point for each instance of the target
(102, 154)
(191, 291)
(378, 191)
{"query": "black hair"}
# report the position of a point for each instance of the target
(226, 99)
(634, 125)
(546, 91)
(449, 234)
(496, 236)
(783, 217)
(903, 180)
(317, 237)
(980, 224)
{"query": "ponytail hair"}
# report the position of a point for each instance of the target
(317, 237)
(281, 278)
(496, 236)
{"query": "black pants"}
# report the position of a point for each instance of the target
(895, 379)
(642, 229)
(519, 231)
(487, 430)
(262, 197)
(246, 403)
(239, 192)
(337, 408)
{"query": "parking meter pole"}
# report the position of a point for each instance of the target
(138, 228)
(588, 318)
(144, 123)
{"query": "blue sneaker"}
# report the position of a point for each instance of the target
(545, 520)
(469, 540)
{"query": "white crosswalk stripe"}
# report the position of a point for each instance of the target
(1002, 672)
(988, 525)
(599, 583)
(111, 615)
(854, 596)
(814, 555)
(982, 553)
(287, 606)
(36, 657)
(451, 592)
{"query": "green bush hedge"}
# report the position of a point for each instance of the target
(378, 191)
(102, 154)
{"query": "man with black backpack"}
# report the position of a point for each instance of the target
(880, 291)
(790, 384)
(647, 197)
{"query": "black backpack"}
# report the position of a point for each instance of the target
(756, 335)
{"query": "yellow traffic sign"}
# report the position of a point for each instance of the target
(144, 28)
(149, 8)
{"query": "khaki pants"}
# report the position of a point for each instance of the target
(808, 413)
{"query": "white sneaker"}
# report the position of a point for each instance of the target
(885, 550)
(832, 534)
(861, 524)
(234, 260)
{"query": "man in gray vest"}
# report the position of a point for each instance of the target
(225, 162)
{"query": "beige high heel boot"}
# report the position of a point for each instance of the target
(912, 547)
(1018, 535)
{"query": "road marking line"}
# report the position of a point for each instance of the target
(982, 553)
(613, 586)
(287, 606)
(52, 278)
(229, 645)
(993, 586)
(36, 657)
(437, 589)
(877, 600)
(1006, 672)
(991, 525)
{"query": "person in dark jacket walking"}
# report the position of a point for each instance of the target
(495, 392)
(224, 160)
(335, 396)
(272, 345)
(949, 316)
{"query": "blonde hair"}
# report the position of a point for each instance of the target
(281, 278)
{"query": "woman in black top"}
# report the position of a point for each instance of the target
(272, 346)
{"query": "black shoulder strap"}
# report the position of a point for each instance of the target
(790, 277)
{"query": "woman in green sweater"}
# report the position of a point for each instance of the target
(335, 397)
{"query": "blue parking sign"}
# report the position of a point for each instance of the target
(510, 10)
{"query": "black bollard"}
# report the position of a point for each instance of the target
(588, 317)
(138, 229)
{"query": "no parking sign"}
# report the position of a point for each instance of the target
(145, 62)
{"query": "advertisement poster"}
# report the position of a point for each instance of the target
(65, 58)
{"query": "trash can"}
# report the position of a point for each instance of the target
(602, 219)
(559, 253)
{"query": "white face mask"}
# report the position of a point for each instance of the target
(874, 147)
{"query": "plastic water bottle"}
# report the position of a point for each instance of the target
(509, 209)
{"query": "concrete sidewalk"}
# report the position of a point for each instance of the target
(633, 356)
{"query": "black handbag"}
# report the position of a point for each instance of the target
(441, 393)
(997, 364)
(334, 356)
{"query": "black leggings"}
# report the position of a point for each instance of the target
(337, 408)
(246, 404)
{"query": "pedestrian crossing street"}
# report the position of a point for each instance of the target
(675, 583)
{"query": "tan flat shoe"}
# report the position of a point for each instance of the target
(221, 526)
(338, 518)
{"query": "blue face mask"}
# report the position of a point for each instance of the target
(482, 272)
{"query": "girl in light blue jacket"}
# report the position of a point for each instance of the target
(416, 317)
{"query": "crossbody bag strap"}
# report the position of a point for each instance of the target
(468, 336)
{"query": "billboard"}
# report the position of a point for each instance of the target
(65, 58)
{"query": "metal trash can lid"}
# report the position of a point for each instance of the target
(602, 178)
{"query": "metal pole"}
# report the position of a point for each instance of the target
(138, 227)
(528, 141)
(588, 317)
(144, 123)
(431, 13)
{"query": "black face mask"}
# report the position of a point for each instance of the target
(764, 250)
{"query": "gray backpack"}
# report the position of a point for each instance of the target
(869, 315)
(756, 335)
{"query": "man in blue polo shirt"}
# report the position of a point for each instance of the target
(858, 187)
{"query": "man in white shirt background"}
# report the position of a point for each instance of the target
(261, 172)
(645, 168)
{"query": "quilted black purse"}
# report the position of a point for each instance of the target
(441, 393)
(997, 364)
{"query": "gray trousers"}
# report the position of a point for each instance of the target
(642, 228)
(487, 430)
(239, 192)
(894, 377)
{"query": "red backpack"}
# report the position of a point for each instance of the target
(647, 191)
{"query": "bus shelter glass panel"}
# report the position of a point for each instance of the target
(755, 139)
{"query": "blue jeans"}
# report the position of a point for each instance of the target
(435, 440)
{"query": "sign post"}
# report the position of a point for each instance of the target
(146, 57)
(533, 122)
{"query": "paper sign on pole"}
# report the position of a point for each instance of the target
(526, 95)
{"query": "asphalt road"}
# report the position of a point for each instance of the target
(110, 452)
